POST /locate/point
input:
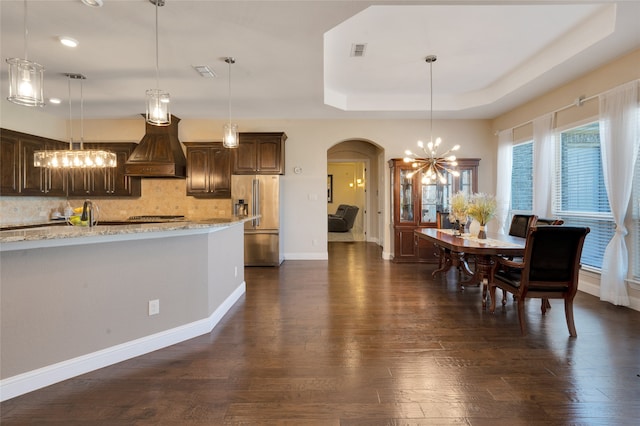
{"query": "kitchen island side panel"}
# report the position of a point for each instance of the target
(59, 303)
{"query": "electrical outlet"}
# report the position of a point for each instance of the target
(154, 307)
(236, 272)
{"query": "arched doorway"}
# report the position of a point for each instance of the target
(355, 173)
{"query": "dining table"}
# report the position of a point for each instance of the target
(465, 245)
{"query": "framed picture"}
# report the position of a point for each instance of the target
(329, 188)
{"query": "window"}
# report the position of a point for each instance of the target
(522, 178)
(580, 196)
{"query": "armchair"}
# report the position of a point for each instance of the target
(343, 219)
(549, 270)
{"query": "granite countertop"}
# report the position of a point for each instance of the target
(55, 231)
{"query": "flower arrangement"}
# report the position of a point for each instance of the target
(459, 207)
(482, 208)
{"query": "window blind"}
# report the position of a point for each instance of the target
(522, 178)
(580, 196)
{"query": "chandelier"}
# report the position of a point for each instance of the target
(25, 77)
(75, 158)
(434, 166)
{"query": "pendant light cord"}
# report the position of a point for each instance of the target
(26, 32)
(229, 61)
(70, 116)
(431, 101)
(81, 115)
(157, 67)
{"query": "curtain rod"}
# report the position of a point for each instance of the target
(577, 103)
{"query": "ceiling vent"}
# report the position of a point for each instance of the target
(357, 49)
(204, 71)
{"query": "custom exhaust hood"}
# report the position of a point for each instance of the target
(159, 153)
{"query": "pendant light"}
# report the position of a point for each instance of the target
(433, 166)
(158, 100)
(230, 130)
(25, 76)
(75, 158)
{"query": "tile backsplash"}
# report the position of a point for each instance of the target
(159, 197)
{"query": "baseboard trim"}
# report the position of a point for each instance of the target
(12, 387)
(306, 256)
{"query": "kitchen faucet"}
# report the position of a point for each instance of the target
(87, 212)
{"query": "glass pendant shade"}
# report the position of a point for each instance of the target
(230, 139)
(158, 112)
(26, 82)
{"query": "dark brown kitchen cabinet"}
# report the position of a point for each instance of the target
(208, 170)
(19, 175)
(414, 204)
(259, 153)
(108, 182)
(9, 164)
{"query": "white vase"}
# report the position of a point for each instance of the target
(474, 228)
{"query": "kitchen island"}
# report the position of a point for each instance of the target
(75, 299)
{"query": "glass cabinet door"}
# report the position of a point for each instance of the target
(429, 202)
(406, 197)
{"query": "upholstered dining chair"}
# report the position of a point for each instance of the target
(549, 270)
(443, 222)
(549, 221)
(520, 224)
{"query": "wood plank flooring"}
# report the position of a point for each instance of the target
(361, 341)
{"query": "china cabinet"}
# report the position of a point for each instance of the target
(414, 205)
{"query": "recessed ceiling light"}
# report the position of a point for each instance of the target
(68, 41)
(204, 71)
(54, 100)
(93, 3)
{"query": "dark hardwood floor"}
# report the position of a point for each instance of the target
(362, 341)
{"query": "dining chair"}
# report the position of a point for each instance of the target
(548, 270)
(444, 254)
(520, 224)
(549, 221)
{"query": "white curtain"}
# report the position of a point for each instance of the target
(543, 163)
(503, 179)
(619, 141)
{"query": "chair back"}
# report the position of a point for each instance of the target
(442, 221)
(341, 210)
(549, 221)
(350, 216)
(552, 259)
(520, 224)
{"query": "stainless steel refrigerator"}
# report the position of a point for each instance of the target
(261, 196)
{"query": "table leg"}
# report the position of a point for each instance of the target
(483, 269)
(446, 264)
